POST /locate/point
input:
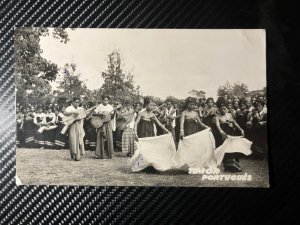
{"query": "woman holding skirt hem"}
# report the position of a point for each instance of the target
(190, 121)
(146, 121)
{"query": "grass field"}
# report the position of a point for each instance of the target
(54, 167)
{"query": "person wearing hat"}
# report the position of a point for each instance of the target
(190, 120)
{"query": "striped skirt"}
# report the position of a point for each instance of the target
(128, 141)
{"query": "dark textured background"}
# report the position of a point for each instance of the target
(110, 205)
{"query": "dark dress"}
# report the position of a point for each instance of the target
(49, 135)
(230, 160)
(241, 119)
(190, 126)
(145, 128)
(39, 137)
(90, 135)
(259, 135)
(159, 130)
(208, 115)
(29, 131)
(20, 134)
(60, 139)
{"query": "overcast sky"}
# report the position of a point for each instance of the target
(167, 62)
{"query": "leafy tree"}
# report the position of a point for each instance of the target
(70, 84)
(225, 90)
(237, 89)
(96, 96)
(33, 72)
(197, 94)
(240, 90)
(117, 84)
(256, 93)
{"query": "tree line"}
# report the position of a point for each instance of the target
(35, 76)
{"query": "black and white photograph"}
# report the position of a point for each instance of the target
(141, 107)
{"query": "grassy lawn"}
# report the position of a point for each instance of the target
(54, 167)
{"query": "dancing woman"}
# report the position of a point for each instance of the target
(225, 125)
(145, 122)
(190, 120)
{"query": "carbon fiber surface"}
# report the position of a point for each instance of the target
(109, 205)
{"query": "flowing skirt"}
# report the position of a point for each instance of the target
(104, 143)
(157, 152)
(196, 151)
(230, 158)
